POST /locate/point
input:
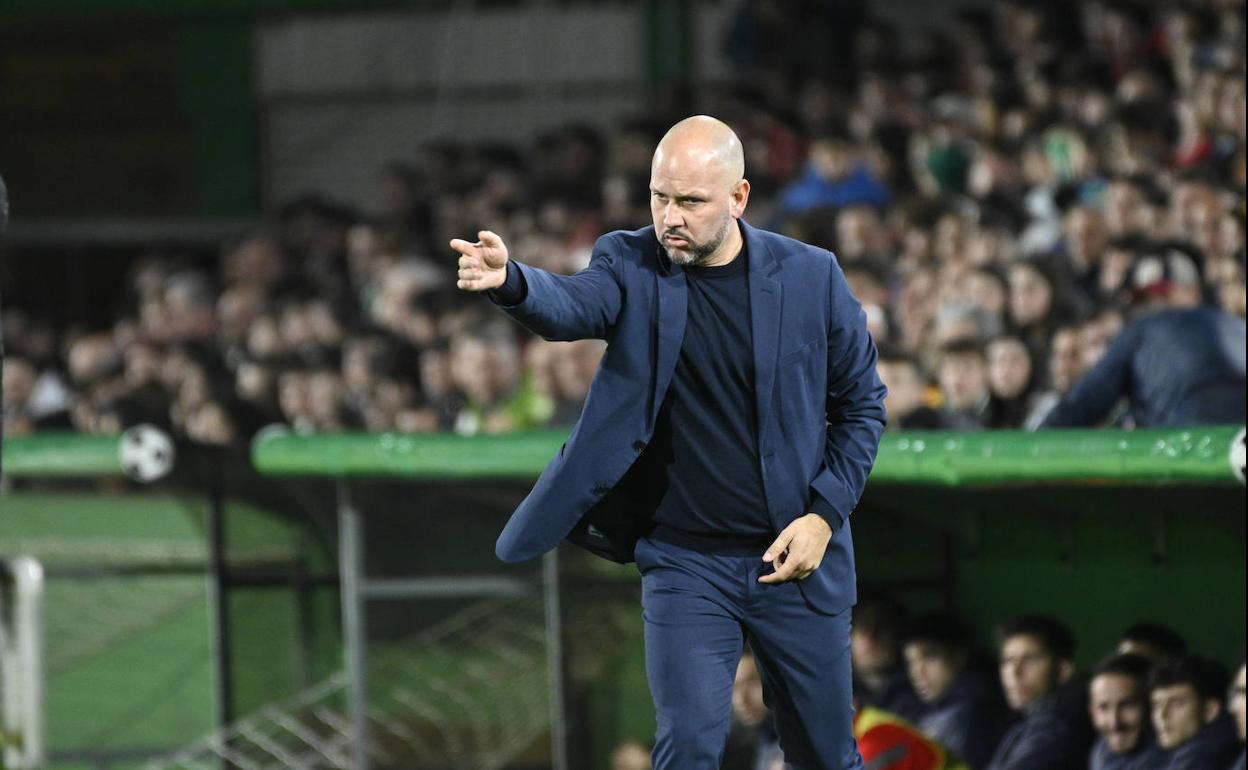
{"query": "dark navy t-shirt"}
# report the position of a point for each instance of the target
(701, 469)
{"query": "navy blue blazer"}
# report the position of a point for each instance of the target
(820, 402)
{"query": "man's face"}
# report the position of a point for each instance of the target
(931, 670)
(696, 191)
(905, 389)
(1124, 208)
(1085, 236)
(1028, 671)
(691, 213)
(857, 232)
(1118, 712)
(1237, 702)
(963, 380)
(1176, 714)
(1065, 360)
(1031, 296)
(870, 653)
(1009, 367)
(1115, 267)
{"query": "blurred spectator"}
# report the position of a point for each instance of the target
(1095, 334)
(32, 400)
(1153, 641)
(630, 755)
(1117, 262)
(1188, 698)
(1011, 175)
(753, 743)
(1237, 708)
(488, 372)
(1118, 703)
(835, 177)
(1066, 366)
(1010, 383)
(963, 376)
(905, 403)
(875, 648)
(1038, 677)
(961, 708)
(573, 366)
(1179, 364)
(1033, 303)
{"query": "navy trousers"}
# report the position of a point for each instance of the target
(699, 609)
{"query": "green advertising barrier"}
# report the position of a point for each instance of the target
(1162, 456)
(62, 454)
(143, 453)
(1187, 456)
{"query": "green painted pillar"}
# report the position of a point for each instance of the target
(669, 39)
(216, 75)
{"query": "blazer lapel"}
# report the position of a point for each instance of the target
(766, 299)
(672, 312)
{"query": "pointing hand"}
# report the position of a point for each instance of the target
(482, 265)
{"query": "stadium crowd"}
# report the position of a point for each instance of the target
(1006, 198)
(927, 698)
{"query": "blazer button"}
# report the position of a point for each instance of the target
(639, 445)
(601, 489)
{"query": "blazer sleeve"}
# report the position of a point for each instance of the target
(1110, 379)
(567, 307)
(855, 408)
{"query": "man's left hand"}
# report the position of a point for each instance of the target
(798, 550)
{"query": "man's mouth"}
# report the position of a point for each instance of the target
(676, 240)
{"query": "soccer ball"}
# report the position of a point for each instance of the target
(146, 453)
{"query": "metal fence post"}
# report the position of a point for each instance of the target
(219, 593)
(354, 626)
(21, 664)
(554, 660)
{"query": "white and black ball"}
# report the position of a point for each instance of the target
(146, 453)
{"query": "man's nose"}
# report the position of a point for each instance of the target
(671, 215)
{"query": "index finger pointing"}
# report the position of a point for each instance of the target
(463, 247)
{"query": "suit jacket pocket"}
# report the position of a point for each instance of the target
(796, 355)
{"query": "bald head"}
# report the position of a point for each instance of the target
(701, 144)
(697, 191)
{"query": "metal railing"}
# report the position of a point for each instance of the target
(21, 664)
(466, 694)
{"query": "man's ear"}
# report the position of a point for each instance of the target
(1213, 709)
(740, 197)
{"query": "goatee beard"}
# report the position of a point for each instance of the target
(697, 254)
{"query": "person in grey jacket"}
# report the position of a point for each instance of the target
(1237, 709)
(1180, 363)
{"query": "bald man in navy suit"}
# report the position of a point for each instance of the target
(726, 438)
